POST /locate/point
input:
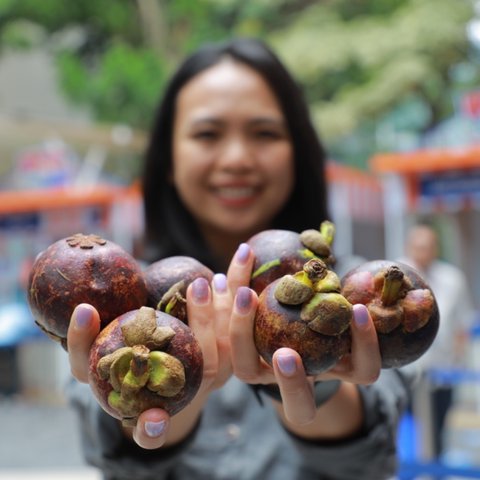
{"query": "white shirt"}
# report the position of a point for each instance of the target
(453, 295)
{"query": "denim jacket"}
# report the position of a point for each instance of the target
(240, 438)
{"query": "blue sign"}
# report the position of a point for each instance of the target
(456, 183)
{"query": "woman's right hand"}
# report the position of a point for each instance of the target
(209, 310)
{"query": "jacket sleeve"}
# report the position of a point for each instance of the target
(106, 447)
(371, 454)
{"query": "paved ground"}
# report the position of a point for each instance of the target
(39, 440)
(47, 474)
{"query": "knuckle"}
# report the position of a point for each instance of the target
(370, 377)
(246, 376)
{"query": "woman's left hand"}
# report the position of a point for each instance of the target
(361, 366)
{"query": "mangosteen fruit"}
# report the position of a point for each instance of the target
(280, 252)
(83, 269)
(145, 359)
(401, 304)
(167, 281)
(306, 312)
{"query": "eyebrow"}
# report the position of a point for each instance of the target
(276, 121)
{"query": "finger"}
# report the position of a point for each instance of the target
(83, 329)
(365, 352)
(222, 301)
(201, 319)
(363, 364)
(246, 362)
(240, 268)
(295, 388)
(151, 429)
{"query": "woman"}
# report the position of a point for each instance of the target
(306, 205)
(233, 152)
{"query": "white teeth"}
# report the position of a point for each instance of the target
(235, 192)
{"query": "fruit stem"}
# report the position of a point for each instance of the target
(139, 362)
(392, 285)
(327, 229)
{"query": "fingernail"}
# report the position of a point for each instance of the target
(243, 253)
(220, 282)
(360, 315)
(243, 300)
(200, 290)
(155, 429)
(83, 316)
(287, 364)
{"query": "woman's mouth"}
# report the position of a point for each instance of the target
(236, 196)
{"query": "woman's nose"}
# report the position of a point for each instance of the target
(237, 154)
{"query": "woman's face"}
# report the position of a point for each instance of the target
(232, 154)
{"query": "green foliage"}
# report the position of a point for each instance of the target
(366, 65)
(22, 34)
(124, 87)
(357, 67)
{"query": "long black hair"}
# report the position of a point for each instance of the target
(169, 227)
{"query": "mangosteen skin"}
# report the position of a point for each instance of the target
(163, 274)
(83, 269)
(398, 347)
(279, 325)
(182, 346)
(281, 250)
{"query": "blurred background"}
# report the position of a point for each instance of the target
(394, 89)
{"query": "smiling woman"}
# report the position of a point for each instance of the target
(232, 155)
(232, 151)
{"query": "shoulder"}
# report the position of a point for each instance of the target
(448, 270)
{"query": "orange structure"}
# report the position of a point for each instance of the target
(440, 183)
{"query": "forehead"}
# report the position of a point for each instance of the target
(225, 86)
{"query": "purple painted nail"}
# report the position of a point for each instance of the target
(200, 290)
(243, 253)
(155, 429)
(360, 315)
(83, 316)
(287, 364)
(243, 300)
(220, 282)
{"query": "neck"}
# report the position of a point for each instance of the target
(223, 248)
(224, 245)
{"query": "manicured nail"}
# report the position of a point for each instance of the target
(220, 282)
(243, 300)
(287, 364)
(360, 315)
(200, 290)
(155, 429)
(243, 253)
(83, 316)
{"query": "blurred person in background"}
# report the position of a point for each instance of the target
(233, 152)
(452, 291)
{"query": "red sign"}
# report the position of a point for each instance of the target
(471, 104)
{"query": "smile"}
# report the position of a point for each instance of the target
(236, 193)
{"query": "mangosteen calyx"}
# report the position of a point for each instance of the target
(141, 364)
(317, 290)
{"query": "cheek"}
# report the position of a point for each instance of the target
(185, 180)
(281, 172)
(186, 174)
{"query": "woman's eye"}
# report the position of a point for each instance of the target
(268, 134)
(206, 135)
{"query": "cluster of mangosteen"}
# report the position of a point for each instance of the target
(146, 355)
(304, 305)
